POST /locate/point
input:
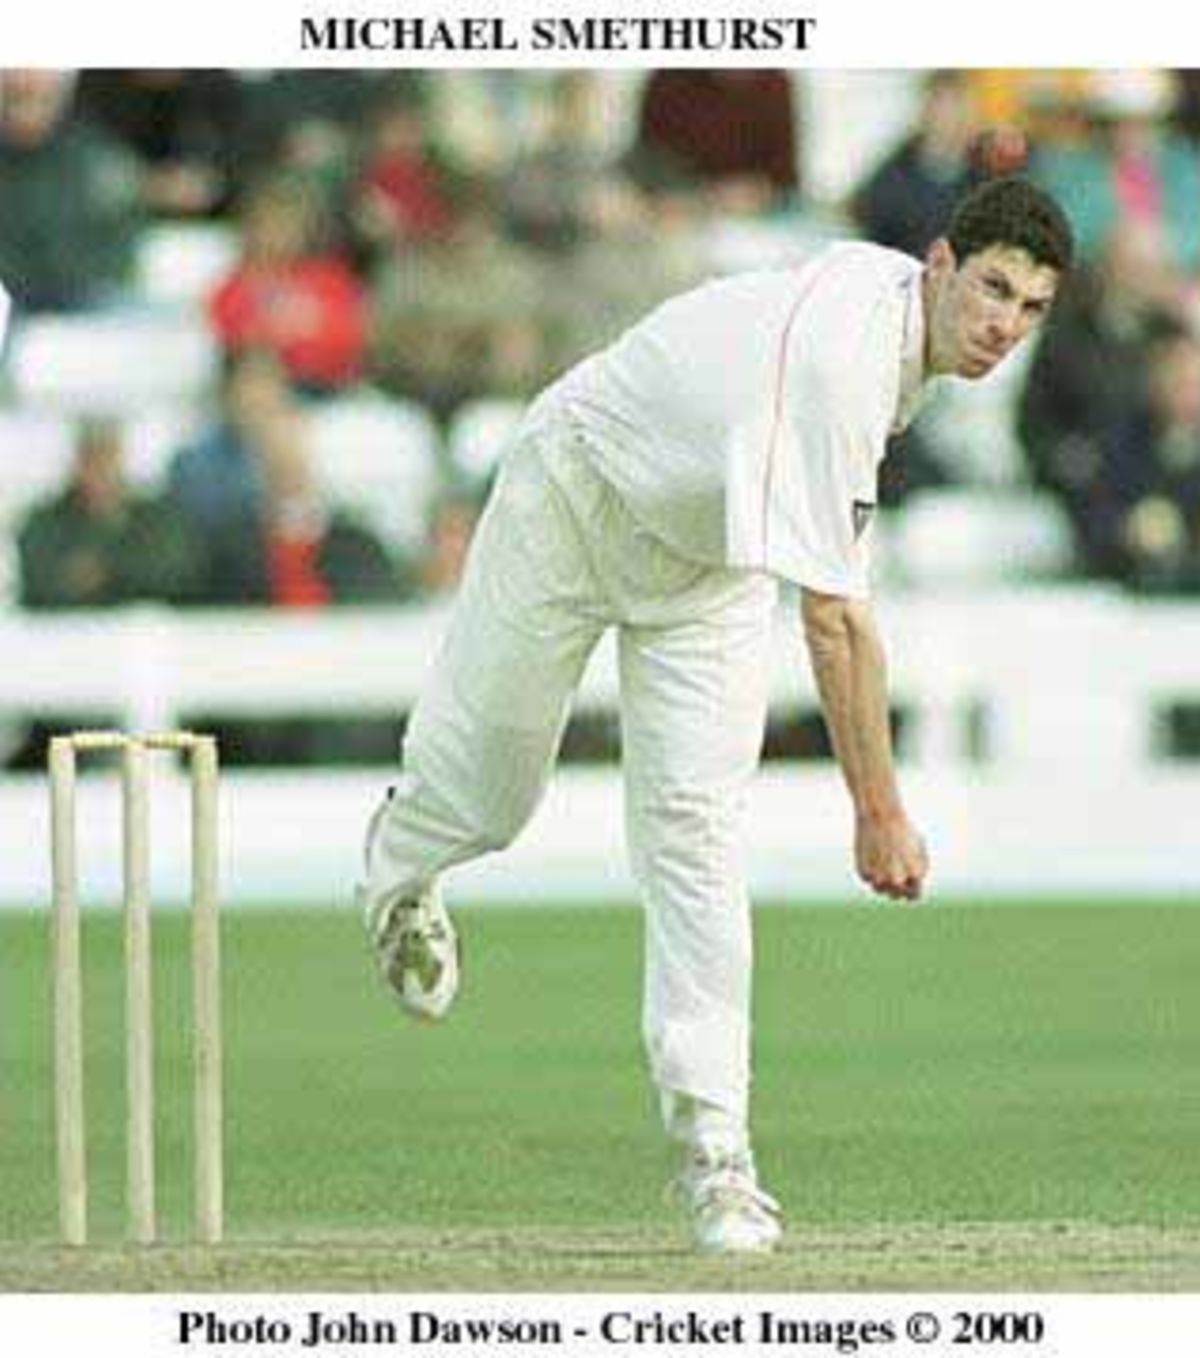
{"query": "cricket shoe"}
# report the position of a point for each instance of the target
(415, 942)
(730, 1213)
(417, 949)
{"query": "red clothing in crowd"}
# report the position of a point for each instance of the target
(310, 311)
(723, 124)
(295, 574)
(407, 188)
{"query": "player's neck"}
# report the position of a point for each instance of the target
(929, 286)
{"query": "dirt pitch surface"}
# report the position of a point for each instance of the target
(979, 1257)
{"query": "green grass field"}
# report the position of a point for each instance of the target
(955, 1096)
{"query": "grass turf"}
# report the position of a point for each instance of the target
(1017, 1071)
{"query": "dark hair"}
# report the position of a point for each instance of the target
(1015, 213)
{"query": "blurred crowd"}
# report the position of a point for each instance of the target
(460, 237)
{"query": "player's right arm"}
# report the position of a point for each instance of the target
(851, 673)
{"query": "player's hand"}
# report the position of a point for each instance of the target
(890, 856)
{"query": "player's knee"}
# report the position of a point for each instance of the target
(682, 828)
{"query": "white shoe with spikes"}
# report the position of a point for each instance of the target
(730, 1213)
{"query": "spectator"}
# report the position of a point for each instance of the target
(97, 543)
(296, 550)
(1144, 523)
(906, 202)
(303, 121)
(454, 317)
(218, 477)
(568, 190)
(1089, 368)
(1047, 104)
(305, 124)
(731, 135)
(70, 199)
(1134, 168)
(402, 194)
(184, 126)
(290, 294)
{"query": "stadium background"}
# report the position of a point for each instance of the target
(271, 331)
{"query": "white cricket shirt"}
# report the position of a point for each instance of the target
(743, 422)
(5, 307)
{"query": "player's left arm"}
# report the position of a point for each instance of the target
(850, 667)
(848, 390)
(844, 379)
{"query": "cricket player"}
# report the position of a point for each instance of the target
(665, 487)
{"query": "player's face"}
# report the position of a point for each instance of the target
(981, 310)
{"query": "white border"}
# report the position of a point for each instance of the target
(850, 34)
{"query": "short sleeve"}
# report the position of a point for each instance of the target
(803, 469)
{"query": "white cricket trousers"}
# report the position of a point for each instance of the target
(556, 560)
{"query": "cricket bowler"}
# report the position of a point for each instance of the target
(665, 487)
